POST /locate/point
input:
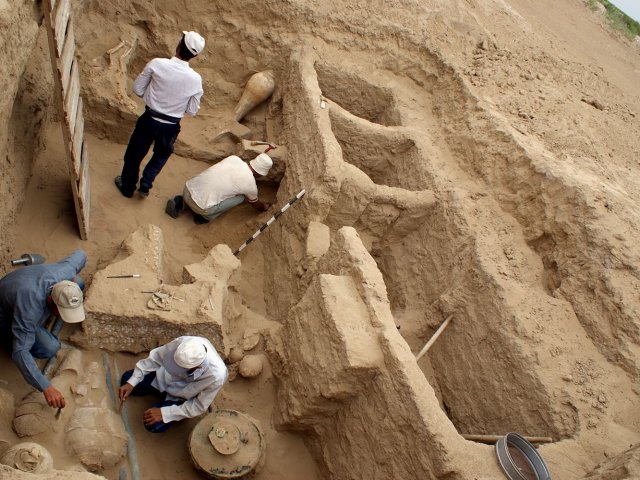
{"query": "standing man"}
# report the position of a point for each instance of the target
(221, 187)
(27, 297)
(170, 89)
(190, 373)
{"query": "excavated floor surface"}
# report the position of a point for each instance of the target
(465, 144)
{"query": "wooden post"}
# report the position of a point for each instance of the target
(434, 337)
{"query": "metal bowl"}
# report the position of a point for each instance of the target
(519, 459)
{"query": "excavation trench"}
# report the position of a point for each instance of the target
(405, 222)
(487, 382)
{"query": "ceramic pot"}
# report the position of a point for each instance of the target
(259, 87)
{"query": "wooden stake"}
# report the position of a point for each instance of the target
(494, 438)
(435, 336)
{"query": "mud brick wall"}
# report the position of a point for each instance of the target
(369, 410)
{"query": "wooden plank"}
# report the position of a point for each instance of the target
(72, 98)
(68, 54)
(84, 173)
(85, 158)
(60, 24)
(84, 193)
(67, 86)
(78, 137)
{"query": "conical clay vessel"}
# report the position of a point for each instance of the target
(259, 87)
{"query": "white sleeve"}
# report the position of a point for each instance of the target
(251, 192)
(194, 406)
(142, 82)
(147, 365)
(193, 105)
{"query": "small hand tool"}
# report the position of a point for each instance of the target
(28, 259)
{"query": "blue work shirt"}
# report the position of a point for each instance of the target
(23, 308)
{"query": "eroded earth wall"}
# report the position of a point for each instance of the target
(24, 102)
(368, 399)
(485, 179)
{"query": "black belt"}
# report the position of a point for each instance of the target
(162, 116)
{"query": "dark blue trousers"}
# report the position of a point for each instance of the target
(146, 132)
(145, 388)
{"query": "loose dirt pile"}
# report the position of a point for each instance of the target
(471, 158)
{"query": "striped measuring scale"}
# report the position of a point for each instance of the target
(264, 226)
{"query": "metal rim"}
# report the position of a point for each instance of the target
(509, 466)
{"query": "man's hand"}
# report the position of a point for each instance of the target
(260, 206)
(53, 397)
(124, 392)
(151, 416)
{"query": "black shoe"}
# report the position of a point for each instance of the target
(118, 182)
(199, 219)
(179, 203)
(143, 193)
(175, 206)
(171, 209)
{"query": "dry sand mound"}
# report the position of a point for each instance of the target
(469, 158)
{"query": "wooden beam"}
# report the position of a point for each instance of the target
(72, 98)
(494, 438)
(78, 138)
(68, 54)
(60, 24)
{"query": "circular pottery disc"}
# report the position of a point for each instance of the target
(250, 341)
(225, 437)
(226, 444)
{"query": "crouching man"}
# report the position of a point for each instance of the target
(190, 373)
(27, 297)
(221, 187)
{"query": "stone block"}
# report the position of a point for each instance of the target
(120, 316)
(318, 240)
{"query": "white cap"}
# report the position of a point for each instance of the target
(261, 164)
(190, 353)
(68, 298)
(194, 42)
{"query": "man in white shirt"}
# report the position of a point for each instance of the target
(170, 89)
(221, 187)
(190, 373)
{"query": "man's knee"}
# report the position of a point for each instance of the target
(45, 346)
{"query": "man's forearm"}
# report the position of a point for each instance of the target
(30, 371)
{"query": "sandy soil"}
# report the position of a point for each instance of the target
(518, 123)
(49, 199)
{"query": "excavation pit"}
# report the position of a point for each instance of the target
(429, 196)
(386, 156)
(362, 99)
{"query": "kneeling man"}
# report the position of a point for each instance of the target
(221, 187)
(190, 373)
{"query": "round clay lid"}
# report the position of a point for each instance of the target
(225, 437)
(226, 444)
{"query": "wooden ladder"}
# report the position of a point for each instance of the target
(62, 48)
